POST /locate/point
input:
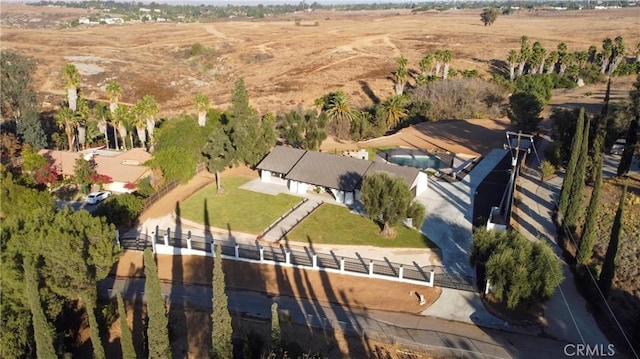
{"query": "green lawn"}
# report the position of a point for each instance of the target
(241, 210)
(331, 224)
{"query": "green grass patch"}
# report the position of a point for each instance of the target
(242, 210)
(331, 224)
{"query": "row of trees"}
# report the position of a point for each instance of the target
(80, 116)
(570, 204)
(535, 59)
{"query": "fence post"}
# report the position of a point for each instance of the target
(287, 257)
(155, 235)
(118, 237)
(237, 251)
(342, 265)
(487, 287)
(431, 278)
(370, 267)
(314, 262)
(189, 240)
(400, 272)
(261, 253)
(166, 239)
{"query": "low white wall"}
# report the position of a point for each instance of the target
(422, 183)
(176, 251)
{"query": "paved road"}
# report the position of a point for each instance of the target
(432, 334)
(566, 313)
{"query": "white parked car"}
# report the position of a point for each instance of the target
(96, 197)
(618, 147)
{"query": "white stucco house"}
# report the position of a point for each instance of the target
(303, 171)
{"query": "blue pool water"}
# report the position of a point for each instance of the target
(418, 161)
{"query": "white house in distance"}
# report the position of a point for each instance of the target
(122, 167)
(302, 170)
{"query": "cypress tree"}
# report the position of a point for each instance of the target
(276, 336)
(629, 147)
(157, 321)
(221, 330)
(598, 148)
(126, 338)
(96, 342)
(565, 193)
(589, 228)
(41, 328)
(574, 210)
(632, 133)
(609, 265)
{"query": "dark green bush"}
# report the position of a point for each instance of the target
(121, 210)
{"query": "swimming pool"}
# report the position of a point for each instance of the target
(420, 161)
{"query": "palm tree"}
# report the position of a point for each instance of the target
(140, 123)
(71, 78)
(340, 113)
(551, 61)
(593, 52)
(93, 131)
(66, 119)
(394, 111)
(150, 112)
(426, 65)
(538, 54)
(605, 55)
(201, 103)
(446, 58)
(438, 58)
(114, 93)
(400, 75)
(121, 120)
(319, 104)
(581, 58)
(83, 115)
(617, 54)
(512, 60)
(638, 52)
(525, 54)
(102, 115)
(567, 60)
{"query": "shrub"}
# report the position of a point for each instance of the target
(548, 170)
(144, 188)
(457, 99)
(121, 210)
(591, 75)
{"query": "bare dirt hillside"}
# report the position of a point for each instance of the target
(285, 65)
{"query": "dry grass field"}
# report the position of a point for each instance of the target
(284, 65)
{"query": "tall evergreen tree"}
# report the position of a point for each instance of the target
(18, 99)
(157, 322)
(609, 266)
(41, 328)
(576, 144)
(276, 334)
(126, 339)
(221, 330)
(96, 342)
(575, 208)
(589, 228)
(629, 147)
(632, 134)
